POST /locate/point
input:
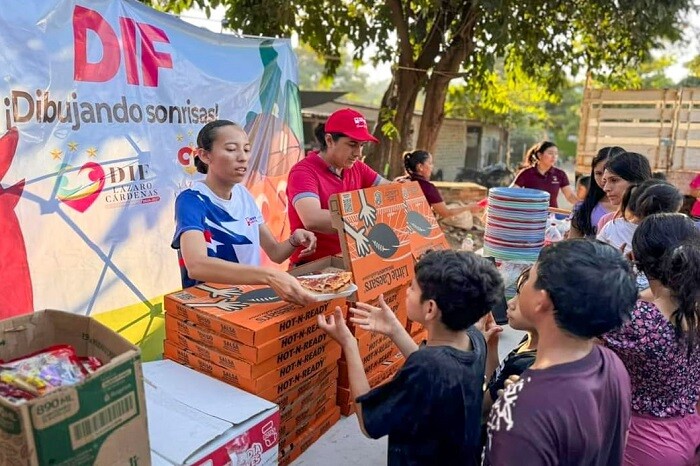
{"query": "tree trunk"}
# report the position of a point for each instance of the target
(398, 105)
(438, 83)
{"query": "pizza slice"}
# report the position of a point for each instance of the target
(330, 283)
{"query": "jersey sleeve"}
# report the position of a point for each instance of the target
(301, 183)
(189, 215)
(394, 406)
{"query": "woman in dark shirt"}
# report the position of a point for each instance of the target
(419, 167)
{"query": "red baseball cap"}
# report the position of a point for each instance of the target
(351, 123)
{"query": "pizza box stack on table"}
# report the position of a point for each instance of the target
(382, 230)
(248, 337)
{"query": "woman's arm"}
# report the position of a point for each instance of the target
(570, 195)
(201, 267)
(313, 216)
(443, 211)
(280, 251)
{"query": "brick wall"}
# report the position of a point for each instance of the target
(451, 148)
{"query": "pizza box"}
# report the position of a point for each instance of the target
(197, 420)
(370, 362)
(323, 378)
(308, 363)
(308, 437)
(296, 338)
(296, 428)
(425, 231)
(307, 411)
(374, 237)
(251, 314)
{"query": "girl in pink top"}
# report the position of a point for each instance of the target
(660, 345)
(695, 192)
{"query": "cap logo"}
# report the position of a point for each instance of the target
(360, 122)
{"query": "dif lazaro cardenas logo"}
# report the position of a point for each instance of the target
(88, 169)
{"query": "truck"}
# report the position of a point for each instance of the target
(661, 124)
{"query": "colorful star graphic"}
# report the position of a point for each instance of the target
(72, 146)
(92, 152)
(56, 153)
(180, 137)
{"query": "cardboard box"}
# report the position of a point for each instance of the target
(296, 427)
(253, 354)
(395, 299)
(253, 315)
(99, 421)
(375, 239)
(313, 433)
(414, 328)
(323, 377)
(316, 358)
(420, 336)
(426, 233)
(254, 371)
(197, 420)
(301, 412)
(370, 362)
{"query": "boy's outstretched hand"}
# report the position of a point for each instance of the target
(375, 319)
(335, 326)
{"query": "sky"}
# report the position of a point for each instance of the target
(681, 52)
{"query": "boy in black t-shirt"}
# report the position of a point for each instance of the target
(431, 408)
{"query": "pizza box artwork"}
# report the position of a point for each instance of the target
(250, 314)
(374, 237)
(426, 233)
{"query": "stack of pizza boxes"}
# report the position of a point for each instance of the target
(383, 230)
(248, 337)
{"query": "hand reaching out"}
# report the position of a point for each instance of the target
(288, 288)
(489, 328)
(336, 327)
(375, 319)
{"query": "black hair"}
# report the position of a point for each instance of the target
(630, 166)
(320, 133)
(649, 197)
(464, 286)
(659, 176)
(532, 156)
(581, 219)
(206, 138)
(412, 159)
(687, 206)
(666, 248)
(590, 284)
(585, 181)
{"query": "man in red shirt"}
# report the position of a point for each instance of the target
(336, 168)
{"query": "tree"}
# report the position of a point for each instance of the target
(348, 77)
(439, 40)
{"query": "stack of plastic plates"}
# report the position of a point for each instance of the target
(515, 223)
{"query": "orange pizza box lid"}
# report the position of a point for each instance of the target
(425, 232)
(374, 237)
(251, 314)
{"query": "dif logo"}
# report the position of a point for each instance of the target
(89, 25)
(128, 174)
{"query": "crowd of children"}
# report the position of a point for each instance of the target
(605, 375)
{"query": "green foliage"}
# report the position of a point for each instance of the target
(348, 77)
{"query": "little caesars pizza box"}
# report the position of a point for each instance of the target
(101, 420)
(250, 314)
(383, 230)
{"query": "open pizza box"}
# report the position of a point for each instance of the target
(383, 231)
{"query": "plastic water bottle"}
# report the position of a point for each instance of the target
(552, 234)
(468, 243)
